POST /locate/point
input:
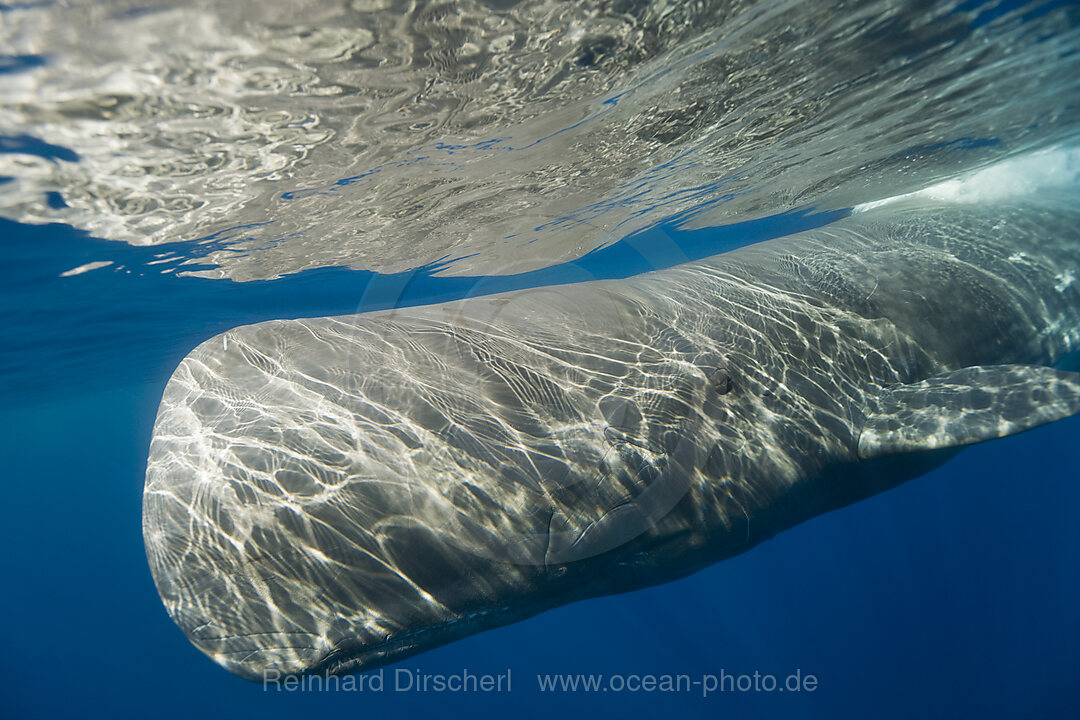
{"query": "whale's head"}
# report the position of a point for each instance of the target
(338, 494)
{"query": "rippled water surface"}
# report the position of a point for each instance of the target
(502, 136)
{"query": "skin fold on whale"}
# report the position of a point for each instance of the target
(331, 495)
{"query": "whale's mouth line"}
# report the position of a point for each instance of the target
(345, 660)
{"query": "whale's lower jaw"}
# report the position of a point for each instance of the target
(276, 660)
(271, 656)
(347, 660)
(262, 655)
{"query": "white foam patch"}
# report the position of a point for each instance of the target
(1053, 167)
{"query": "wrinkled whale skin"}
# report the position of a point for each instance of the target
(335, 494)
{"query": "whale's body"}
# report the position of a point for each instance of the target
(333, 494)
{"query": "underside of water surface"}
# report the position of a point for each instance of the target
(498, 137)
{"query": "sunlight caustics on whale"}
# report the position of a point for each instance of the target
(333, 494)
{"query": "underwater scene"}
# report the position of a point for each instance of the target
(519, 358)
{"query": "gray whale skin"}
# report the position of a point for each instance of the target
(330, 495)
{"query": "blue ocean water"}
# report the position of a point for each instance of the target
(953, 595)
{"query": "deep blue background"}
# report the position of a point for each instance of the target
(955, 595)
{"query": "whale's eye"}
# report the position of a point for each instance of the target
(719, 380)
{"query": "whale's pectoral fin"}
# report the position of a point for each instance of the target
(967, 406)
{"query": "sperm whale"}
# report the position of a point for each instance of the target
(330, 495)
